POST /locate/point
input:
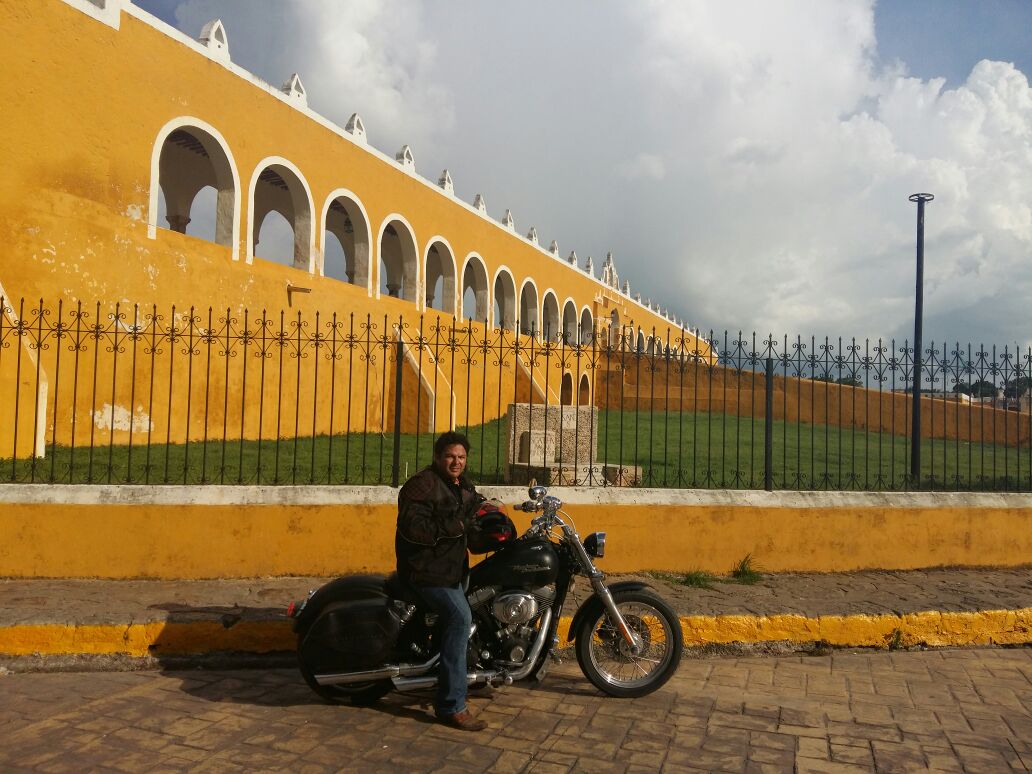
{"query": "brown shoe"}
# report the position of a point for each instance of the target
(462, 720)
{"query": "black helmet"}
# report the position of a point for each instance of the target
(490, 529)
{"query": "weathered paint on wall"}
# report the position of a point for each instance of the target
(212, 532)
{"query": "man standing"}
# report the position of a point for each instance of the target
(434, 508)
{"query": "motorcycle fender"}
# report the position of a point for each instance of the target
(347, 589)
(592, 606)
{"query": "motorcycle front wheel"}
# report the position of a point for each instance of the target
(606, 657)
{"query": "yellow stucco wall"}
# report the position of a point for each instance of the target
(83, 137)
(211, 532)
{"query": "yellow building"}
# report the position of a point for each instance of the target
(141, 166)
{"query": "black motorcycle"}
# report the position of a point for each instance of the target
(360, 636)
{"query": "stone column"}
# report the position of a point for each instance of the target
(178, 223)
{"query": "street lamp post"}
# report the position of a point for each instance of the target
(915, 427)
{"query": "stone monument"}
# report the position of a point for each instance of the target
(556, 445)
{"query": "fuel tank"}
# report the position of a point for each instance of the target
(524, 564)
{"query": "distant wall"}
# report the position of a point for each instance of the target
(671, 385)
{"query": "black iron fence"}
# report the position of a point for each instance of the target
(133, 395)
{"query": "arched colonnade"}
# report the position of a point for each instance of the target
(195, 189)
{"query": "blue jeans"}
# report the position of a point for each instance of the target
(454, 619)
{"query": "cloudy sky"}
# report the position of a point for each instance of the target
(748, 162)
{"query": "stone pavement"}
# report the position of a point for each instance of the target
(946, 710)
(86, 601)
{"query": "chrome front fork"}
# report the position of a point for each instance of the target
(614, 614)
(597, 578)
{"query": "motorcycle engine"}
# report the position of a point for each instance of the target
(515, 610)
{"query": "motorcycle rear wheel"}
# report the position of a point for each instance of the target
(359, 694)
(606, 659)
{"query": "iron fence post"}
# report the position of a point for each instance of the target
(768, 426)
(398, 362)
(915, 428)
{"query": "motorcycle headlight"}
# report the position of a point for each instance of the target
(595, 544)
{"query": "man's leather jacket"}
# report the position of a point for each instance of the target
(430, 542)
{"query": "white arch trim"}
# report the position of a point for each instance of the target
(538, 300)
(184, 122)
(558, 310)
(516, 299)
(375, 275)
(426, 256)
(258, 169)
(474, 256)
(508, 271)
(337, 194)
(580, 319)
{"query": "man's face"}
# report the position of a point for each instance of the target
(451, 461)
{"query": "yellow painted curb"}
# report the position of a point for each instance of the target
(157, 638)
(987, 627)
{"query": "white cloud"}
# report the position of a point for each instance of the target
(367, 56)
(644, 166)
(748, 162)
(805, 153)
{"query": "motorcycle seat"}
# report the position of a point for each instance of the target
(397, 589)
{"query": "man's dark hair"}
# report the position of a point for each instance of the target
(450, 439)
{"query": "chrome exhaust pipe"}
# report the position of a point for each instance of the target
(367, 676)
(384, 673)
(411, 677)
(403, 683)
(536, 648)
(429, 681)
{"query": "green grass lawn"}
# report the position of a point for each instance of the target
(672, 450)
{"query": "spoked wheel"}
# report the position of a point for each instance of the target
(609, 661)
(360, 694)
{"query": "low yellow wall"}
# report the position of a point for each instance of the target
(213, 532)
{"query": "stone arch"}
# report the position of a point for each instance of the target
(504, 294)
(615, 333)
(584, 393)
(475, 296)
(344, 218)
(398, 267)
(570, 323)
(551, 328)
(188, 156)
(566, 390)
(587, 327)
(439, 271)
(529, 324)
(278, 186)
(640, 348)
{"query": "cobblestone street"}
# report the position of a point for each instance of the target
(961, 710)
